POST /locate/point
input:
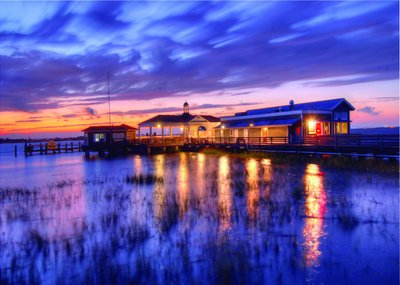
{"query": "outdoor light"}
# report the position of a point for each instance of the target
(223, 126)
(311, 124)
(251, 125)
(158, 126)
(181, 128)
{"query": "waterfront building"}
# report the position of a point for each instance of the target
(108, 135)
(291, 123)
(183, 126)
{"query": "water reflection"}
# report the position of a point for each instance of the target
(224, 193)
(133, 233)
(253, 195)
(159, 194)
(315, 210)
(137, 163)
(267, 170)
(183, 183)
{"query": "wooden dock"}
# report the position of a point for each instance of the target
(46, 148)
(346, 145)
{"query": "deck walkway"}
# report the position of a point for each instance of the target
(354, 145)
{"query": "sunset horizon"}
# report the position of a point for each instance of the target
(199, 142)
(222, 58)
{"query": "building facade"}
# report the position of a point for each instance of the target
(290, 123)
(107, 135)
(184, 126)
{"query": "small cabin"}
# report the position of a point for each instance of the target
(105, 135)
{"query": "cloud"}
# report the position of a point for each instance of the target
(368, 110)
(90, 111)
(386, 99)
(28, 121)
(161, 49)
(179, 110)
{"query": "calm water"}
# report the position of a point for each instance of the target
(194, 219)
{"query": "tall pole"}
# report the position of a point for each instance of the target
(109, 102)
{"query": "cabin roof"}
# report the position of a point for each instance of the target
(210, 118)
(183, 118)
(327, 105)
(122, 127)
(260, 123)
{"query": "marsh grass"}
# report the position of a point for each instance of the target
(144, 179)
(246, 227)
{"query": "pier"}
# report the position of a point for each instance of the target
(49, 148)
(349, 145)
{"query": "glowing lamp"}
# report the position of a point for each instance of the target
(311, 124)
(223, 126)
(251, 125)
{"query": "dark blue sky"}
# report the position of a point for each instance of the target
(56, 55)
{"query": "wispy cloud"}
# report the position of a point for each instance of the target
(160, 49)
(178, 110)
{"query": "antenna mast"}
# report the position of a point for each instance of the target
(109, 103)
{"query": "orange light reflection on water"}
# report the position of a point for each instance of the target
(315, 210)
(183, 187)
(253, 194)
(224, 193)
(266, 164)
(159, 194)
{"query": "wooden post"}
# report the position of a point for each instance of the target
(151, 134)
(59, 147)
(72, 147)
(30, 149)
(45, 148)
(65, 147)
(79, 146)
(25, 150)
(15, 150)
(41, 150)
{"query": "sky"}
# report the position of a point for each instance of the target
(222, 57)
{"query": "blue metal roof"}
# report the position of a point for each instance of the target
(263, 123)
(328, 105)
(278, 122)
(237, 124)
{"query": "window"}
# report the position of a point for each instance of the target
(118, 136)
(312, 127)
(345, 128)
(326, 129)
(99, 137)
(342, 128)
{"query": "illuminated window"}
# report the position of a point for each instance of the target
(99, 137)
(345, 128)
(326, 129)
(342, 128)
(312, 127)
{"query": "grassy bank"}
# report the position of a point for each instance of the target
(334, 161)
